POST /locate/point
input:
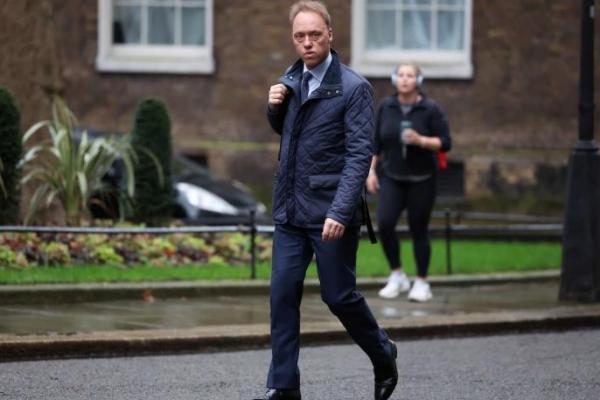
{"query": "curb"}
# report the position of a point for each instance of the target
(244, 337)
(77, 293)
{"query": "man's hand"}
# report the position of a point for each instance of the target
(332, 230)
(277, 95)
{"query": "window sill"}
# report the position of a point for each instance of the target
(204, 66)
(461, 70)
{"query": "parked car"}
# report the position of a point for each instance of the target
(200, 196)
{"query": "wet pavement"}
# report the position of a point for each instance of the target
(152, 313)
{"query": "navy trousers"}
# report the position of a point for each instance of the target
(293, 249)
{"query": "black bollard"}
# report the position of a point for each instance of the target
(253, 244)
(448, 241)
(580, 275)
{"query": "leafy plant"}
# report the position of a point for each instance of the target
(11, 150)
(160, 247)
(106, 254)
(21, 260)
(55, 253)
(192, 248)
(153, 200)
(195, 243)
(30, 249)
(7, 256)
(234, 246)
(71, 171)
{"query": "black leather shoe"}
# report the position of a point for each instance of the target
(386, 376)
(281, 394)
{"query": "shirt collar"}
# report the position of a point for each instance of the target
(319, 71)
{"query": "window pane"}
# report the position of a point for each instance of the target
(417, 2)
(194, 26)
(385, 3)
(127, 24)
(381, 29)
(416, 30)
(452, 2)
(451, 30)
(162, 2)
(161, 25)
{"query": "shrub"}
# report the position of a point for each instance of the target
(11, 150)
(153, 200)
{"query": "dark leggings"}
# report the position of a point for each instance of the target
(418, 198)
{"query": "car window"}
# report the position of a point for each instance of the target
(183, 166)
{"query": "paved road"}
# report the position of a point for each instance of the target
(540, 366)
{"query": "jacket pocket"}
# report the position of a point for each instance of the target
(329, 181)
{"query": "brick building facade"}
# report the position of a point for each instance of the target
(515, 118)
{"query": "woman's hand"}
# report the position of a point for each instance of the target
(410, 136)
(372, 182)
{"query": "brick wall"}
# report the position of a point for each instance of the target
(519, 109)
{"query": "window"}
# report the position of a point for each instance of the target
(436, 34)
(161, 36)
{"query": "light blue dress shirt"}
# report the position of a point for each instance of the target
(318, 73)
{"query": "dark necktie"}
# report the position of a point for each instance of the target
(304, 89)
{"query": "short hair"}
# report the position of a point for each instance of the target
(312, 6)
(414, 66)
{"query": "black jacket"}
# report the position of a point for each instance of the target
(427, 119)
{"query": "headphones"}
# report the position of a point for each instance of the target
(420, 77)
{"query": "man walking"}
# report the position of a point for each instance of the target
(324, 113)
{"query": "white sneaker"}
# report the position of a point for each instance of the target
(397, 283)
(421, 291)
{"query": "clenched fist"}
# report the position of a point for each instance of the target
(277, 95)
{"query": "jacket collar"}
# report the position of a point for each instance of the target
(318, 72)
(331, 86)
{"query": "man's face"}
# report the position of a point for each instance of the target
(312, 38)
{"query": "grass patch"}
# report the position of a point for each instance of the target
(468, 257)
(141, 273)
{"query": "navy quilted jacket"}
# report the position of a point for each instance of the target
(325, 150)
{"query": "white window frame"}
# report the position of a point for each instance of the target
(435, 64)
(152, 58)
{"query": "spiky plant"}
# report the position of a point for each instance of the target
(69, 170)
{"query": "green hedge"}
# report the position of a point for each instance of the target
(153, 202)
(11, 150)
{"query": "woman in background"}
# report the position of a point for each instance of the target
(409, 131)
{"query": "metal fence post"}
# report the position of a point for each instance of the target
(448, 234)
(253, 244)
